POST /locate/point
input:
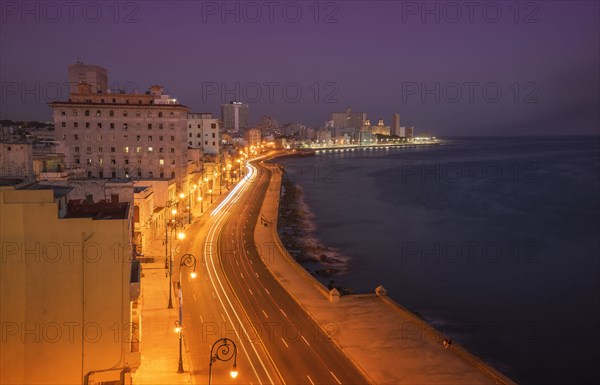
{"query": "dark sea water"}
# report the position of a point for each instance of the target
(494, 241)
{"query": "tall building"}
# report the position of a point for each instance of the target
(95, 76)
(68, 288)
(348, 119)
(118, 135)
(395, 129)
(203, 132)
(234, 116)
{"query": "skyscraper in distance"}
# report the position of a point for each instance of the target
(234, 116)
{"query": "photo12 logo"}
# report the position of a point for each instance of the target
(470, 92)
(470, 12)
(71, 12)
(269, 12)
(29, 92)
(271, 92)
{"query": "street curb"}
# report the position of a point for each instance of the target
(304, 274)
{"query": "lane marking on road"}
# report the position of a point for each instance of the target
(267, 290)
(265, 314)
(285, 343)
(283, 312)
(213, 293)
(304, 339)
(338, 381)
(242, 275)
(201, 319)
(310, 379)
(194, 295)
(222, 316)
(251, 292)
(216, 280)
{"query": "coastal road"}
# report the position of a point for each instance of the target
(236, 296)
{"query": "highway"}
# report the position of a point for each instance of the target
(236, 296)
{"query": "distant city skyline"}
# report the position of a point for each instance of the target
(531, 71)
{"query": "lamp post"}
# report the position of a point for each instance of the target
(201, 204)
(187, 260)
(225, 351)
(210, 192)
(173, 212)
(174, 226)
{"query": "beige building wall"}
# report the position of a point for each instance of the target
(203, 132)
(65, 292)
(16, 160)
(123, 135)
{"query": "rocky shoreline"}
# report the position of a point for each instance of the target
(296, 232)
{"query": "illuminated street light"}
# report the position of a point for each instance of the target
(187, 260)
(175, 225)
(225, 351)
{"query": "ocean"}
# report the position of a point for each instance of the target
(494, 241)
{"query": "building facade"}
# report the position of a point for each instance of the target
(395, 129)
(203, 132)
(95, 76)
(253, 137)
(234, 116)
(106, 135)
(16, 160)
(68, 289)
(348, 118)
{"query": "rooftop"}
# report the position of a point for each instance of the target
(100, 210)
(59, 191)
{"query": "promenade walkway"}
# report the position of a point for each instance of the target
(387, 342)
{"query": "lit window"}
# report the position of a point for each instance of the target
(125, 149)
(161, 162)
(138, 149)
(150, 149)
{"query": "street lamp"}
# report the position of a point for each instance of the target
(225, 351)
(173, 212)
(201, 204)
(174, 226)
(187, 260)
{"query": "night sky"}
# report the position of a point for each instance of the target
(379, 57)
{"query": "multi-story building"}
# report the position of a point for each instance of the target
(68, 289)
(95, 76)
(253, 137)
(118, 135)
(234, 116)
(380, 128)
(395, 129)
(348, 119)
(203, 132)
(324, 137)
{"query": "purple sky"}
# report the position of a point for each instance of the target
(375, 56)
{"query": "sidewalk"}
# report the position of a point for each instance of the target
(159, 342)
(388, 343)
